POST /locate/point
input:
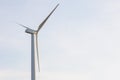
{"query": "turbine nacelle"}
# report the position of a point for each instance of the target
(30, 31)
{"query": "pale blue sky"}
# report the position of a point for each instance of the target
(80, 41)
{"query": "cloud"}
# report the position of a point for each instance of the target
(65, 76)
(82, 44)
(9, 74)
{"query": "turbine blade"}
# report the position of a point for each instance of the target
(22, 25)
(40, 26)
(37, 52)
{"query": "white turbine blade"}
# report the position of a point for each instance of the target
(40, 26)
(22, 25)
(37, 52)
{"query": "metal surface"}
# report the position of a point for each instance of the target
(33, 57)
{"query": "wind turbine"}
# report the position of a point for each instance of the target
(34, 43)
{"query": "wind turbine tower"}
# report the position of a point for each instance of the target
(34, 44)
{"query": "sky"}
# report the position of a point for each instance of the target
(80, 41)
